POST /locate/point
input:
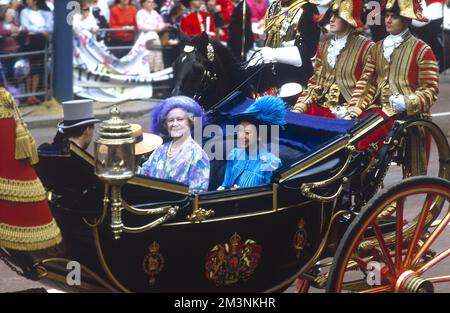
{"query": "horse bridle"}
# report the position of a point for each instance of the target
(208, 78)
(209, 75)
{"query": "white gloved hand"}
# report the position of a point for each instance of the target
(268, 55)
(397, 103)
(255, 60)
(339, 112)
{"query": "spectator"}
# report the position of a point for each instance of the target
(123, 15)
(104, 6)
(227, 8)
(149, 21)
(38, 19)
(197, 22)
(11, 37)
(84, 20)
(258, 9)
(172, 49)
(100, 18)
(216, 12)
(166, 6)
(16, 5)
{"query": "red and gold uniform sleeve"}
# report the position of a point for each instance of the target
(314, 90)
(427, 89)
(366, 87)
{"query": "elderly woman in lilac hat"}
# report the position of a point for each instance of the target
(181, 158)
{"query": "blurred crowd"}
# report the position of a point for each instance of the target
(118, 23)
(25, 26)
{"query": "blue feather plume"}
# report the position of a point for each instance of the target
(268, 110)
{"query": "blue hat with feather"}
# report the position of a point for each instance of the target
(267, 110)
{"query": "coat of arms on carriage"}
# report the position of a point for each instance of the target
(153, 262)
(300, 238)
(229, 263)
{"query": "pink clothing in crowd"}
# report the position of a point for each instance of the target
(149, 21)
(258, 9)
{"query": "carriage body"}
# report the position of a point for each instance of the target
(253, 239)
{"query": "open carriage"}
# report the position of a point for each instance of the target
(319, 205)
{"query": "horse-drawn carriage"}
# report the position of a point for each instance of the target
(152, 235)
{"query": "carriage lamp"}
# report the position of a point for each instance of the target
(114, 162)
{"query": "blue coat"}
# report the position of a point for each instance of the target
(245, 171)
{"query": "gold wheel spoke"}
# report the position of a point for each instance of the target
(433, 261)
(399, 235)
(383, 247)
(377, 289)
(440, 279)
(436, 232)
(418, 230)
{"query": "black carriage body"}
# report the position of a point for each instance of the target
(258, 239)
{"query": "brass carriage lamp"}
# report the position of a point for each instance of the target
(114, 162)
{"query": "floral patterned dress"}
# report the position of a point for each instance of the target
(190, 166)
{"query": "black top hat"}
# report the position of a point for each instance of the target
(77, 113)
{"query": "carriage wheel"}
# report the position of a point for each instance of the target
(391, 246)
(410, 146)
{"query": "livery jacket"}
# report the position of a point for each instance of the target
(293, 25)
(334, 86)
(194, 23)
(412, 72)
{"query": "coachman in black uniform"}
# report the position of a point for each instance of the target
(60, 168)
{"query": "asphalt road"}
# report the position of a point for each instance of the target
(10, 282)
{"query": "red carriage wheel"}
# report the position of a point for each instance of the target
(390, 246)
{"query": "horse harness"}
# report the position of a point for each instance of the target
(209, 75)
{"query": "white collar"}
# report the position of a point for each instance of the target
(335, 48)
(391, 42)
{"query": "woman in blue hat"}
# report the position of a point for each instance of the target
(181, 158)
(251, 163)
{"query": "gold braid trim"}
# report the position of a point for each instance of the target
(22, 191)
(30, 238)
(6, 113)
(273, 23)
(25, 143)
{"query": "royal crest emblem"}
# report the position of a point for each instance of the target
(300, 238)
(153, 262)
(229, 263)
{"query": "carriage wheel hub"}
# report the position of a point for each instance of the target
(410, 282)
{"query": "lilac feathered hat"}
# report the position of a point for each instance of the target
(161, 110)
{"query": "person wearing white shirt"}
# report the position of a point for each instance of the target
(84, 21)
(38, 19)
(151, 23)
(334, 80)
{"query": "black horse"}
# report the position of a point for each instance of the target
(207, 71)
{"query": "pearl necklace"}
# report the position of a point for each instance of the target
(171, 152)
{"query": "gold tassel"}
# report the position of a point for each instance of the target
(25, 144)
